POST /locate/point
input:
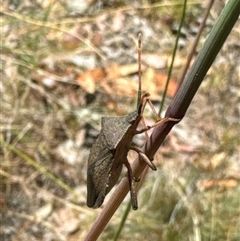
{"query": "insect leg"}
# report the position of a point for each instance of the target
(146, 100)
(144, 157)
(153, 108)
(156, 124)
(131, 180)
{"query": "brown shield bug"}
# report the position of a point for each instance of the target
(109, 152)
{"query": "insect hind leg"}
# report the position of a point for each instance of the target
(132, 181)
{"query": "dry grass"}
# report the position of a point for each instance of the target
(49, 121)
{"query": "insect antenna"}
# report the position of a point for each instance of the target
(139, 69)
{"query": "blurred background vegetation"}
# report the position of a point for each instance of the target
(64, 64)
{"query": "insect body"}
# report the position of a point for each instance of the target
(109, 152)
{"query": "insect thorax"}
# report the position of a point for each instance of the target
(131, 117)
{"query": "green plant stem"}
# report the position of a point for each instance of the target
(123, 221)
(194, 46)
(177, 109)
(173, 56)
(196, 74)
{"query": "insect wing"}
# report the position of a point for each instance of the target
(99, 165)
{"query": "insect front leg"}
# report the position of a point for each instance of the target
(159, 122)
(146, 100)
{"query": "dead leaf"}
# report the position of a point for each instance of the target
(116, 71)
(225, 183)
(161, 79)
(126, 87)
(112, 78)
(88, 79)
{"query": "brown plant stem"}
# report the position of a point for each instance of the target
(196, 40)
(177, 109)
